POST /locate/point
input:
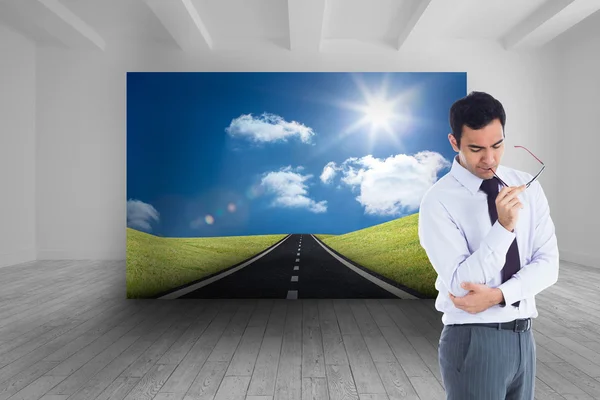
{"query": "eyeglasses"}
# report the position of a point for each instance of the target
(534, 178)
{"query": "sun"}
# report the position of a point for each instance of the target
(379, 113)
(380, 116)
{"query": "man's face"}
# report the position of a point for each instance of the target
(480, 149)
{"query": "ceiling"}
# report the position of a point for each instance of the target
(295, 25)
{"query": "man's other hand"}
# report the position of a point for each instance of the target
(480, 298)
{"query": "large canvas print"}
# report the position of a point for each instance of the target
(283, 185)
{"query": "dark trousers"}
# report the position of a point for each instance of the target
(483, 363)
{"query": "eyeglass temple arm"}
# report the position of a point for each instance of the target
(497, 177)
(540, 161)
(536, 176)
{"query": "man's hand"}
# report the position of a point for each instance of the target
(480, 298)
(508, 206)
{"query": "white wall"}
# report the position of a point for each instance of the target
(17, 148)
(81, 117)
(579, 136)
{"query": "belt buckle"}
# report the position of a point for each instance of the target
(521, 325)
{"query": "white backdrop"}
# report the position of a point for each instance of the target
(80, 129)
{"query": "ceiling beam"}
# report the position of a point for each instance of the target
(418, 11)
(76, 28)
(306, 19)
(183, 22)
(550, 20)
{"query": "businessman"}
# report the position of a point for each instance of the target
(487, 231)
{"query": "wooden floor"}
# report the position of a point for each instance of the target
(67, 332)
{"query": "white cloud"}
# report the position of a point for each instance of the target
(140, 214)
(290, 190)
(394, 185)
(268, 128)
(329, 172)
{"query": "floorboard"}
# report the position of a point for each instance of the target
(67, 332)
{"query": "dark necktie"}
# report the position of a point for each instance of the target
(513, 264)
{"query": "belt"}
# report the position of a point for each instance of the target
(517, 325)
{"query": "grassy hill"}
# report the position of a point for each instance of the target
(391, 249)
(156, 264)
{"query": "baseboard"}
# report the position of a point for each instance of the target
(17, 257)
(587, 260)
(80, 255)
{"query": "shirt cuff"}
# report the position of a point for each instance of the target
(511, 290)
(499, 239)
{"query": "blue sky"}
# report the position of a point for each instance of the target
(227, 154)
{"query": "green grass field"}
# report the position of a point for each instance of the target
(156, 264)
(391, 249)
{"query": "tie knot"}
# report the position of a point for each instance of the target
(490, 186)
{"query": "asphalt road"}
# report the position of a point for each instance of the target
(297, 268)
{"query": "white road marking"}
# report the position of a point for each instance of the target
(294, 279)
(297, 254)
(384, 285)
(196, 286)
(292, 295)
(296, 267)
(297, 259)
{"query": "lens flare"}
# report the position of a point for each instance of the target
(231, 207)
(209, 219)
(254, 191)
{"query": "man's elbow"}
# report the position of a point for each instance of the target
(555, 271)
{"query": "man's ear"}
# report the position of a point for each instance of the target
(453, 143)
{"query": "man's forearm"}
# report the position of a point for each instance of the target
(542, 270)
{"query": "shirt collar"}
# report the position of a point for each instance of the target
(465, 177)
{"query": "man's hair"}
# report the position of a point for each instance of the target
(475, 110)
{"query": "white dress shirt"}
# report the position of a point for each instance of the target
(462, 245)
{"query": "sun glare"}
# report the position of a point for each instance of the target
(382, 115)
(379, 113)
